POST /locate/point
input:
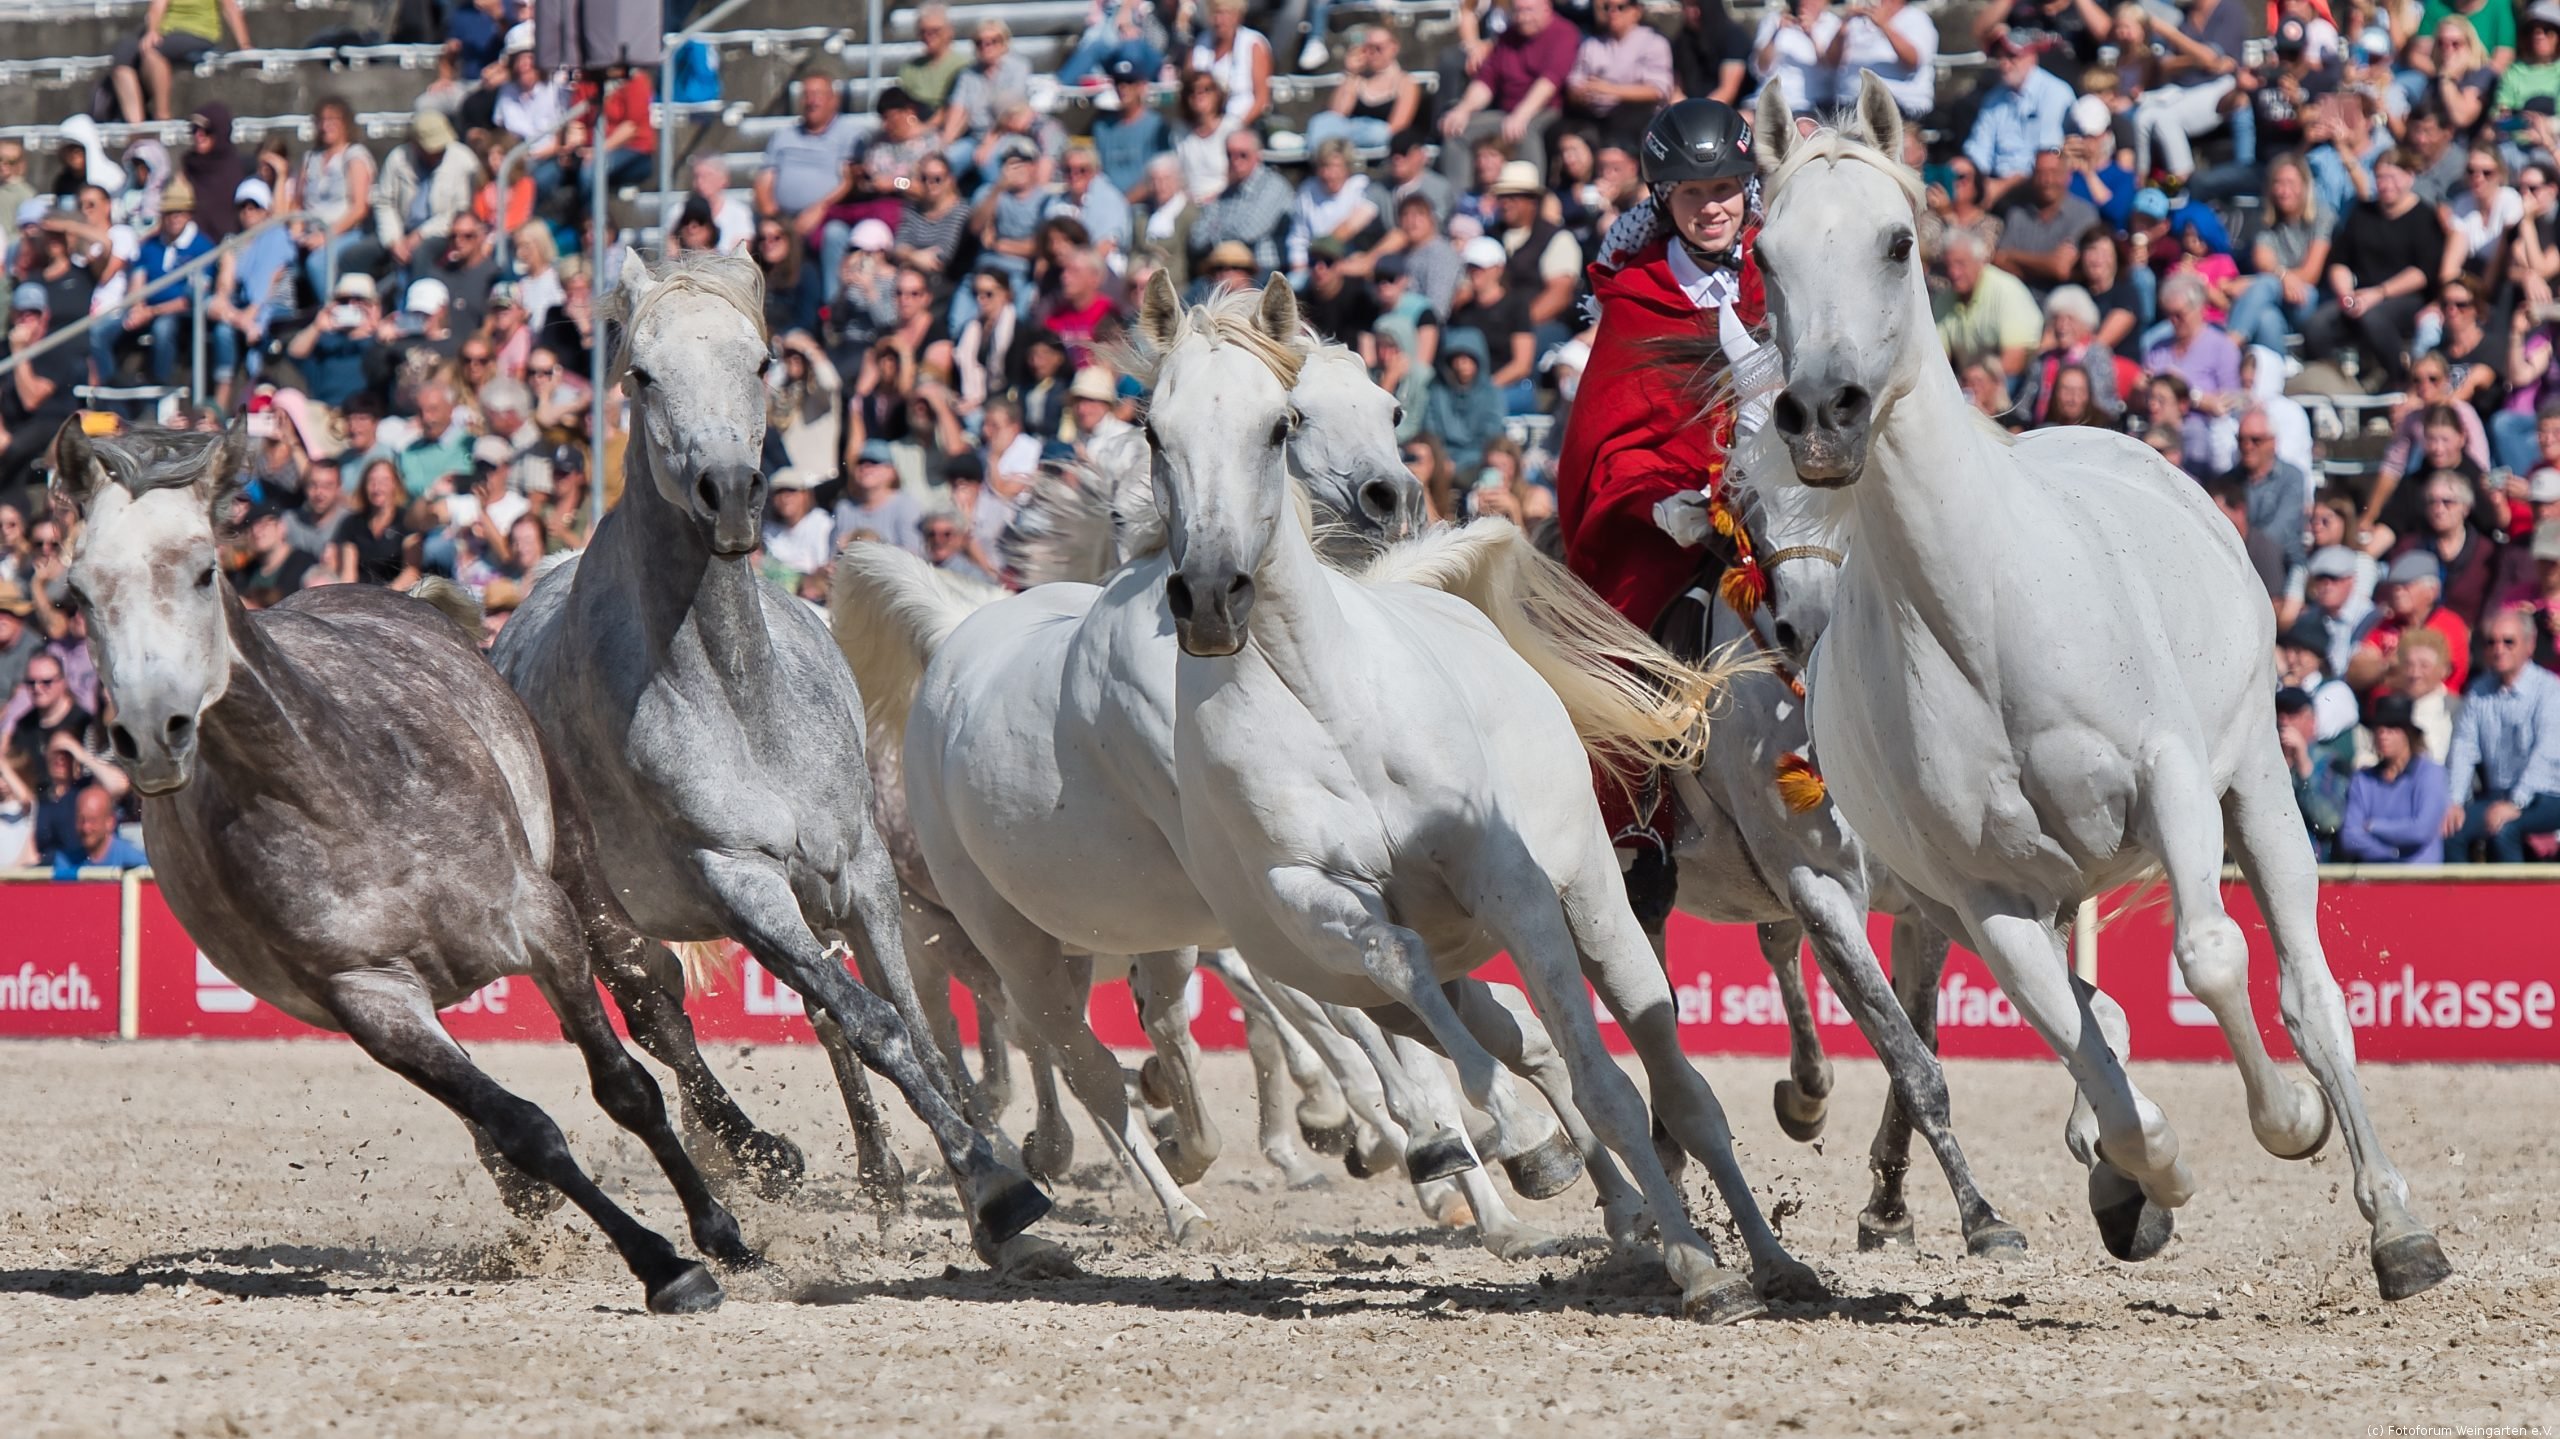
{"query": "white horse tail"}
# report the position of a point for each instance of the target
(1628, 698)
(1062, 531)
(453, 602)
(708, 964)
(891, 612)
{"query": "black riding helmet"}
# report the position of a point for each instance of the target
(1697, 140)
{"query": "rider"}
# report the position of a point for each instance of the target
(1675, 283)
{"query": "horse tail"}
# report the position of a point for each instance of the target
(891, 612)
(1062, 530)
(1628, 698)
(708, 965)
(453, 602)
(2150, 891)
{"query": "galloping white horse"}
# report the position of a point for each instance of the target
(1381, 783)
(2045, 673)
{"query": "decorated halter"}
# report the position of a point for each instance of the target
(1745, 591)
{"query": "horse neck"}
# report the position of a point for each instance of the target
(1933, 498)
(680, 583)
(268, 706)
(1296, 619)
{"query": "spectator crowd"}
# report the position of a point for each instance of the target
(2206, 223)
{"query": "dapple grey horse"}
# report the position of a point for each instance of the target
(358, 822)
(715, 729)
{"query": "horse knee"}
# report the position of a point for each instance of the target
(2214, 960)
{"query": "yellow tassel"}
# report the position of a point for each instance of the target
(95, 423)
(1743, 588)
(1799, 783)
(1721, 518)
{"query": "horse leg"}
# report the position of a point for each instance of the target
(1264, 1042)
(1323, 1119)
(1587, 917)
(1542, 1169)
(2136, 1177)
(1050, 1149)
(1000, 1201)
(875, 1159)
(2186, 827)
(388, 1013)
(1803, 1098)
(1423, 1102)
(1377, 1143)
(1170, 1078)
(1837, 923)
(625, 1091)
(942, 1024)
(1500, 1017)
(2406, 1257)
(1919, 957)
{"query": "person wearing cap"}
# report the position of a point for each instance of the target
(174, 34)
(2503, 774)
(797, 536)
(177, 242)
(426, 319)
(2337, 594)
(2395, 806)
(2407, 600)
(1487, 306)
(426, 183)
(253, 285)
(1254, 209)
(2302, 662)
(2021, 117)
(1131, 135)
(875, 505)
(1622, 73)
(1117, 34)
(2383, 262)
(333, 350)
(1092, 200)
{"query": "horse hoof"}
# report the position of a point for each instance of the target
(2129, 1224)
(1014, 1206)
(1546, 1171)
(692, 1291)
(1302, 1180)
(1447, 1205)
(1875, 1234)
(776, 1164)
(1996, 1240)
(1721, 1299)
(1196, 1234)
(1440, 1158)
(1153, 1086)
(1046, 1160)
(1030, 1257)
(1326, 1138)
(2319, 1141)
(1523, 1242)
(718, 1238)
(2411, 1264)
(1800, 1114)
(1791, 1281)
(1667, 1150)
(1183, 1163)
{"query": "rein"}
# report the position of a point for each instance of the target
(1745, 591)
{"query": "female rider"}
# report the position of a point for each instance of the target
(1674, 275)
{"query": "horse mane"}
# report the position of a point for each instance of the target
(733, 280)
(141, 459)
(1227, 317)
(1063, 529)
(1628, 698)
(1835, 144)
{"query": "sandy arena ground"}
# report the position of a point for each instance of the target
(255, 1239)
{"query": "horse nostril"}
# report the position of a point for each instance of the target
(1848, 407)
(708, 493)
(1379, 499)
(181, 729)
(1177, 597)
(1786, 635)
(122, 739)
(1239, 592)
(1789, 413)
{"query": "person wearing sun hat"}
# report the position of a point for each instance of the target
(2395, 806)
(177, 241)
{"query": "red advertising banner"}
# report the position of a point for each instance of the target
(59, 949)
(2449, 970)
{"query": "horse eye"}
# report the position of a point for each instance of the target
(1898, 249)
(640, 377)
(1399, 420)
(1279, 434)
(205, 581)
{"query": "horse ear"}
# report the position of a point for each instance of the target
(1776, 127)
(77, 471)
(1878, 116)
(635, 273)
(1279, 308)
(1160, 311)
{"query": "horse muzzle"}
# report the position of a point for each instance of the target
(160, 758)
(1209, 620)
(1826, 429)
(729, 502)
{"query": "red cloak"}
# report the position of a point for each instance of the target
(1635, 436)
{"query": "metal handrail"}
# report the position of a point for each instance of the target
(183, 274)
(666, 84)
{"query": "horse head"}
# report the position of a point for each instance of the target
(1847, 304)
(1346, 451)
(1220, 427)
(1795, 538)
(149, 574)
(691, 349)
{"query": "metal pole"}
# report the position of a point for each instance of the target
(871, 35)
(2084, 942)
(195, 366)
(666, 97)
(595, 344)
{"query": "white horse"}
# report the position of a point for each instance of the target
(1040, 784)
(2045, 674)
(1381, 784)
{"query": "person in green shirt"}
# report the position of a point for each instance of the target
(2537, 67)
(928, 77)
(2494, 21)
(174, 33)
